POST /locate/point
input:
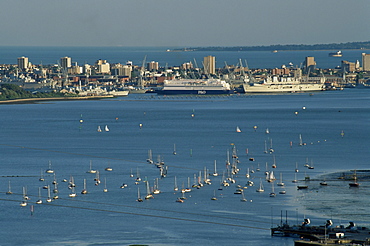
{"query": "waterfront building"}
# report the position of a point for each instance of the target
(365, 62)
(104, 68)
(348, 66)
(86, 69)
(209, 65)
(187, 66)
(310, 63)
(23, 63)
(66, 62)
(122, 70)
(152, 66)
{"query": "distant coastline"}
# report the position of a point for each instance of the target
(288, 47)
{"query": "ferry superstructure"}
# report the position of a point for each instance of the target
(277, 84)
(195, 86)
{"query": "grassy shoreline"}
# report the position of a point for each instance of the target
(32, 100)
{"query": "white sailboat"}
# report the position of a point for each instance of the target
(354, 184)
(91, 170)
(296, 167)
(41, 176)
(49, 195)
(108, 168)
(148, 194)
(295, 178)
(174, 149)
(267, 131)
(49, 170)
(106, 128)
(270, 177)
(238, 129)
(215, 171)
(243, 199)
(281, 183)
(105, 185)
(9, 192)
(260, 188)
(73, 193)
(150, 157)
(24, 201)
(39, 201)
(175, 188)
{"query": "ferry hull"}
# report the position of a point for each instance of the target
(284, 88)
(194, 92)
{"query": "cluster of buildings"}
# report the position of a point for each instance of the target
(68, 74)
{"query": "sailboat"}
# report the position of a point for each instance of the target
(139, 199)
(49, 195)
(39, 201)
(99, 129)
(247, 175)
(41, 176)
(260, 189)
(214, 198)
(73, 193)
(148, 194)
(156, 189)
(271, 150)
(108, 168)
(267, 131)
(24, 201)
(274, 164)
(106, 128)
(174, 149)
(265, 151)
(84, 190)
(150, 158)
(301, 143)
(97, 178)
(49, 170)
(238, 129)
(295, 178)
(243, 199)
(9, 192)
(105, 185)
(91, 170)
(281, 183)
(175, 188)
(215, 171)
(311, 166)
(272, 194)
(296, 167)
(354, 184)
(270, 177)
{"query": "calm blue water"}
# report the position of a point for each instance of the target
(34, 134)
(255, 59)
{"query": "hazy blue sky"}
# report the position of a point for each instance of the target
(182, 23)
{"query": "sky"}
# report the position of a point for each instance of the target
(188, 23)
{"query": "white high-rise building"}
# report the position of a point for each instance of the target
(66, 62)
(22, 62)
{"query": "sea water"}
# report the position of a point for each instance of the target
(251, 59)
(333, 125)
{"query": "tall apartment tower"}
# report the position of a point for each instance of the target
(152, 66)
(66, 62)
(365, 62)
(209, 64)
(22, 62)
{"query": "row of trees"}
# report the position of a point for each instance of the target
(9, 91)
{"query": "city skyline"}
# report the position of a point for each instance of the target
(182, 24)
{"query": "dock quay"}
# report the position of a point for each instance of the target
(324, 235)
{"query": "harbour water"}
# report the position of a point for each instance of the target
(254, 59)
(334, 127)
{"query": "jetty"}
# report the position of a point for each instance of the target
(324, 235)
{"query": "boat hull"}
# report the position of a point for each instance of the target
(282, 88)
(194, 92)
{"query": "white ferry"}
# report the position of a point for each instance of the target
(283, 84)
(195, 86)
